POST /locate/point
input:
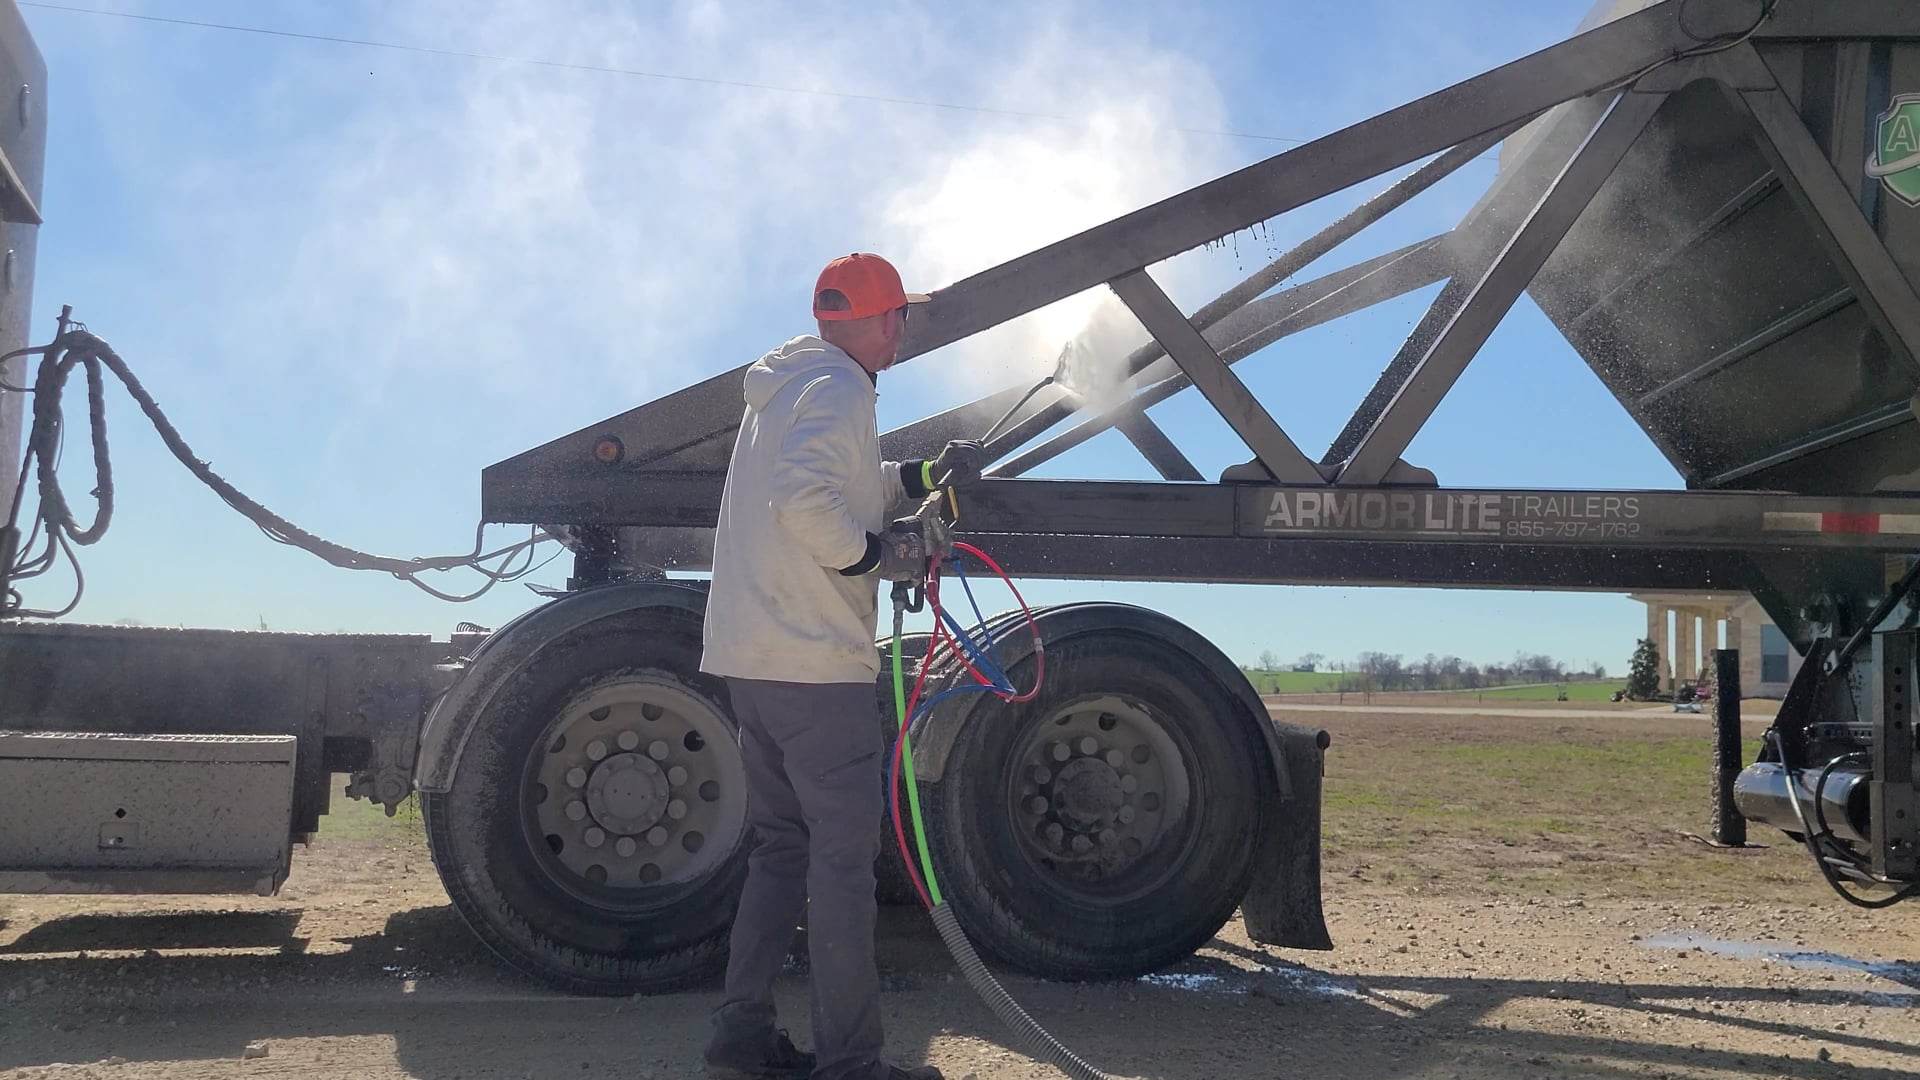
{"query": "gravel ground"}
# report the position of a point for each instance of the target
(359, 969)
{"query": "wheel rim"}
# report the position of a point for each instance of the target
(1099, 788)
(634, 793)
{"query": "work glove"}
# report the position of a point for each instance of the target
(903, 551)
(959, 464)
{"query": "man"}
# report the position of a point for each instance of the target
(790, 625)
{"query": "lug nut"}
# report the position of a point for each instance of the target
(677, 775)
(1036, 805)
(628, 740)
(1108, 838)
(1115, 758)
(1042, 774)
(625, 847)
(676, 809)
(657, 836)
(1129, 784)
(1061, 752)
(596, 749)
(1089, 744)
(1125, 814)
(1082, 845)
(595, 836)
(658, 750)
(576, 777)
(1055, 833)
(576, 810)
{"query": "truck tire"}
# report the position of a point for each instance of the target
(594, 834)
(1103, 830)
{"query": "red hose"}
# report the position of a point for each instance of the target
(942, 637)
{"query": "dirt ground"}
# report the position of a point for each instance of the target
(1500, 912)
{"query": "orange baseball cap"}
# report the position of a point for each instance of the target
(868, 284)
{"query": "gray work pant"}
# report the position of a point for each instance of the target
(814, 789)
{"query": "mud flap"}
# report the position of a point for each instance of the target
(1282, 907)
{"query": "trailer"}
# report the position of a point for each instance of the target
(1713, 200)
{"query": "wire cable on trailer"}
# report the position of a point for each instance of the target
(55, 524)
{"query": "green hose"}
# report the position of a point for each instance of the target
(906, 766)
(1039, 1040)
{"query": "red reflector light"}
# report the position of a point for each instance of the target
(1850, 523)
(609, 451)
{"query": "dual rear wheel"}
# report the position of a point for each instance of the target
(595, 831)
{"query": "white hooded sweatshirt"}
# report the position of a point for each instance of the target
(805, 487)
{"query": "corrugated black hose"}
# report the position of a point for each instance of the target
(1039, 1041)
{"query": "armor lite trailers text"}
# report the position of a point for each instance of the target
(1702, 195)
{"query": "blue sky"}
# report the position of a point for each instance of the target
(356, 276)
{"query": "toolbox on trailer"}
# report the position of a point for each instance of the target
(90, 812)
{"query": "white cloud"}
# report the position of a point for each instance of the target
(471, 217)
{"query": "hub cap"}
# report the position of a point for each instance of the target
(1099, 786)
(636, 785)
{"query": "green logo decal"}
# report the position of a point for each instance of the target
(1896, 161)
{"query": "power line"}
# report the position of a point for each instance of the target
(635, 73)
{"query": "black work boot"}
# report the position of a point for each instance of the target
(746, 1046)
(917, 1072)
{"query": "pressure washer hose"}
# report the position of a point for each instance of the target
(988, 678)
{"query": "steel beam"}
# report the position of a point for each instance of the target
(1160, 452)
(1349, 225)
(1304, 307)
(1243, 560)
(1728, 828)
(1497, 290)
(1236, 300)
(1228, 395)
(1263, 322)
(1827, 19)
(1603, 57)
(1474, 244)
(1850, 240)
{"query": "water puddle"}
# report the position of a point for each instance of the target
(1239, 981)
(1905, 974)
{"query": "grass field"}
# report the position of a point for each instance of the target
(1592, 690)
(357, 819)
(1327, 682)
(1590, 807)
(1295, 682)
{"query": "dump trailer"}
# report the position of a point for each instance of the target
(1716, 202)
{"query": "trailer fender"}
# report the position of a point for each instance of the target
(506, 651)
(1282, 906)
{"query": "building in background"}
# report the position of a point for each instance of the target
(1687, 627)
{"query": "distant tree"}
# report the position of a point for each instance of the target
(1599, 671)
(1643, 671)
(1311, 661)
(1472, 678)
(1450, 672)
(1382, 671)
(1269, 660)
(1427, 668)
